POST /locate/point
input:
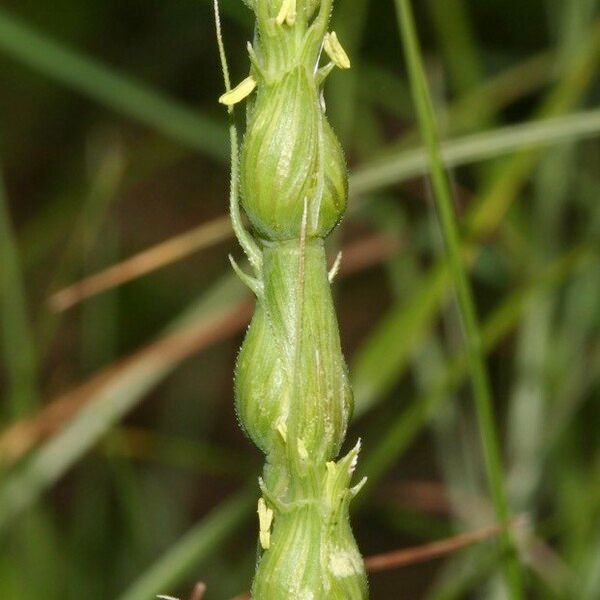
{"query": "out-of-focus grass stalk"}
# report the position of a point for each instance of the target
(34, 559)
(591, 583)
(507, 177)
(176, 452)
(198, 544)
(365, 180)
(22, 486)
(479, 565)
(484, 217)
(529, 402)
(482, 105)
(116, 90)
(474, 347)
(18, 343)
(430, 361)
(471, 149)
(108, 167)
(503, 319)
(458, 43)
(99, 318)
(343, 95)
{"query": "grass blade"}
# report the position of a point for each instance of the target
(477, 147)
(377, 364)
(366, 179)
(476, 360)
(116, 392)
(457, 39)
(196, 545)
(497, 326)
(111, 88)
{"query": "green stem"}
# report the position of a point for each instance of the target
(474, 346)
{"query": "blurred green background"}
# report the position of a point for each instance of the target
(123, 473)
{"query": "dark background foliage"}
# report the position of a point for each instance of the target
(118, 433)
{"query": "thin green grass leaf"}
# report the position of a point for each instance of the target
(109, 165)
(112, 400)
(497, 326)
(365, 180)
(198, 544)
(476, 360)
(475, 108)
(458, 42)
(106, 85)
(475, 148)
(389, 347)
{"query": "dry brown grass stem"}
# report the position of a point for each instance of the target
(433, 550)
(155, 257)
(434, 497)
(410, 556)
(170, 251)
(21, 437)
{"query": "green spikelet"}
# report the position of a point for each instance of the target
(290, 155)
(292, 356)
(293, 398)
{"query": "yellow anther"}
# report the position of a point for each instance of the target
(265, 520)
(335, 51)
(287, 13)
(238, 93)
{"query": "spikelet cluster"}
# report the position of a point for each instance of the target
(293, 397)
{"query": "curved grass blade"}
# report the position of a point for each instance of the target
(475, 148)
(497, 326)
(116, 392)
(198, 544)
(111, 88)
